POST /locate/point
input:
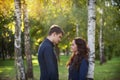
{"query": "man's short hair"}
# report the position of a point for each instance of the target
(56, 29)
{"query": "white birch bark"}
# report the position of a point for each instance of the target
(77, 30)
(101, 42)
(20, 71)
(27, 42)
(91, 37)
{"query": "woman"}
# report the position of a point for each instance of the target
(78, 63)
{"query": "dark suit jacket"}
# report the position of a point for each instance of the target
(47, 61)
(78, 74)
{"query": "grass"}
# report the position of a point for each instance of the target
(107, 71)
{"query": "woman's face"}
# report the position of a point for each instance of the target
(73, 47)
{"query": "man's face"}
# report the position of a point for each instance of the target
(57, 38)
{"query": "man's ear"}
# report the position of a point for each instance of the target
(54, 33)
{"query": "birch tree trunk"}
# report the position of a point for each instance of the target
(20, 71)
(77, 30)
(91, 37)
(29, 74)
(101, 43)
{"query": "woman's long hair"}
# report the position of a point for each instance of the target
(83, 51)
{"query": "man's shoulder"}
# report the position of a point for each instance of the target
(44, 44)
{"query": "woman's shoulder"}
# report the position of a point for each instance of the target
(84, 60)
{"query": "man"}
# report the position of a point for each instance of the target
(46, 56)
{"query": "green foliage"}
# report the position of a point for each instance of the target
(111, 37)
(67, 14)
(6, 34)
(62, 13)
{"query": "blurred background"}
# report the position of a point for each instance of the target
(72, 16)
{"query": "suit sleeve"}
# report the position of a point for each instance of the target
(83, 70)
(51, 63)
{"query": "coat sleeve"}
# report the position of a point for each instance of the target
(51, 64)
(83, 70)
